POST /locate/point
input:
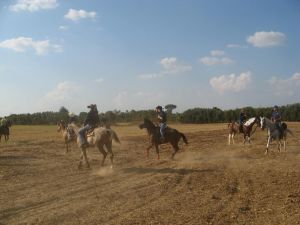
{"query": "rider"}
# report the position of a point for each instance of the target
(276, 118)
(242, 119)
(92, 120)
(162, 119)
(4, 121)
(72, 118)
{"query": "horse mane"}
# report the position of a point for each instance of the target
(149, 123)
(249, 121)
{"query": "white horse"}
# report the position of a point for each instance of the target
(274, 133)
(99, 138)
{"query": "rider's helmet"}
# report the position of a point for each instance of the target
(275, 106)
(92, 106)
(159, 107)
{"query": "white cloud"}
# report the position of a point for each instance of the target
(33, 5)
(121, 99)
(76, 15)
(231, 83)
(149, 76)
(99, 80)
(216, 58)
(217, 53)
(236, 46)
(212, 61)
(266, 39)
(285, 86)
(23, 44)
(170, 66)
(62, 91)
(63, 27)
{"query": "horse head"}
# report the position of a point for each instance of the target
(262, 122)
(61, 126)
(147, 124)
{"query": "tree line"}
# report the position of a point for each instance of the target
(197, 115)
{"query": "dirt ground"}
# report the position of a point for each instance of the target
(209, 182)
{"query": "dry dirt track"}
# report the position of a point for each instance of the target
(208, 183)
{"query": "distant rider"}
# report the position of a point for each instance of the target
(276, 118)
(92, 120)
(242, 119)
(4, 121)
(162, 119)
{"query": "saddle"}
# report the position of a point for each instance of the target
(90, 132)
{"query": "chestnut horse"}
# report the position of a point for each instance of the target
(172, 136)
(66, 134)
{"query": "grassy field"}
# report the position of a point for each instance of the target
(209, 182)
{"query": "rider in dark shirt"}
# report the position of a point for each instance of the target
(162, 119)
(92, 120)
(242, 119)
(276, 118)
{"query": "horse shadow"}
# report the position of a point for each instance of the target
(146, 170)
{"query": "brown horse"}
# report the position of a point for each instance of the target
(67, 136)
(4, 130)
(172, 136)
(233, 128)
(99, 138)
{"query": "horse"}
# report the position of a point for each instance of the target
(275, 133)
(99, 138)
(67, 134)
(233, 129)
(4, 130)
(172, 136)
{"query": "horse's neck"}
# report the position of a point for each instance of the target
(250, 122)
(74, 128)
(269, 123)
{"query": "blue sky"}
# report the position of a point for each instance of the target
(137, 54)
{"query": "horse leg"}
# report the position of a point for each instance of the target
(176, 148)
(157, 151)
(230, 137)
(85, 157)
(278, 145)
(244, 138)
(268, 143)
(80, 160)
(100, 148)
(109, 149)
(147, 151)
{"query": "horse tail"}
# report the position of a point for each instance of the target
(290, 132)
(115, 136)
(184, 138)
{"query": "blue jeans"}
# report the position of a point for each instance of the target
(162, 127)
(82, 132)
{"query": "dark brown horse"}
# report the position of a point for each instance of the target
(4, 130)
(172, 136)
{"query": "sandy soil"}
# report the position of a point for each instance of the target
(209, 182)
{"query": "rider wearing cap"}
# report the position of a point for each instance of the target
(92, 120)
(162, 119)
(276, 118)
